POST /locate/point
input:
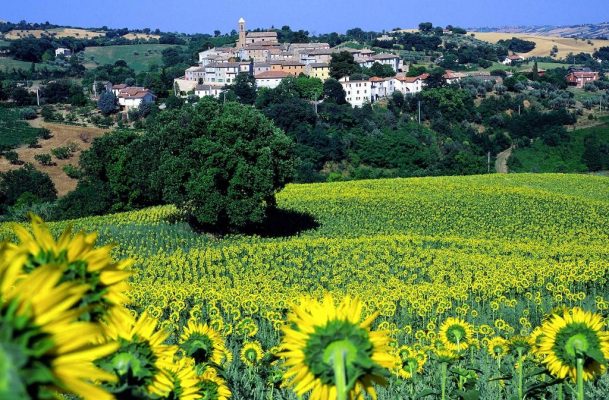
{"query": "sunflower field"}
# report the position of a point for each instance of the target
(484, 287)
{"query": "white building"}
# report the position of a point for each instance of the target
(62, 51)
(513, 59)
(389, 59)
(357, 93)
(225, 73)
(381, 87)
(410, 84)
(270, 79)
(195, 74)
(208, 90)
(131, 97)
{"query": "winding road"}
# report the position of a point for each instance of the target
(502, 160)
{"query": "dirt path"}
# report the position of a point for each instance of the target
(502, 160)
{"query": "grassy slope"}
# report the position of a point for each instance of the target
(564, 158)
(147, 54)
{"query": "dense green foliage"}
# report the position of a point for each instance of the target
(518, 45)
(583, 150)
(107, 103)
(221, 164)
(25, 186)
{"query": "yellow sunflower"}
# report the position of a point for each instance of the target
(251, 354)
(42, 344)
(212, 387)
(327, 345)
(455, 334)
(79, 260)
(203, 344)
(412, 363)
(498, 347)
(575, 336)
(142, 347)
(180, 381)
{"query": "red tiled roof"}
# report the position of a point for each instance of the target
(273, 75)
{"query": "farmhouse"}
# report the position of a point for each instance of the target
(513, 59)
(580, 78)
(410, 84)
(131, 97)
(62, 51)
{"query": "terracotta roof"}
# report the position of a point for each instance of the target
(319, 65)
(119, 86)
(273, 75)
(384, 56)
(288, 62)
(208, 87)
(134, 92)
(223, 65)
(377, 79)
(261, 34)
(584, 74)
(515, 57)
(320, 52)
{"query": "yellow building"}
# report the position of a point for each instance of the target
(318, 70)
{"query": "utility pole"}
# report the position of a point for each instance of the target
(518, 109)
(37, 97)
(419, 112)
(489, 163)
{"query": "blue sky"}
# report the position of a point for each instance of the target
(317, 16)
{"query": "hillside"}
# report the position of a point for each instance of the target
(544, 44)
(57, 33)
(138, 56)
(62, 135)
(584, 31)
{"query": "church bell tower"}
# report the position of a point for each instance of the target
(241, 43)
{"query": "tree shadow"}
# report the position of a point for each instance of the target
(278, 223)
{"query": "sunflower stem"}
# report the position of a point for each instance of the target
(520, 376)
(443, 369)
(559, 394)
(580, 378)
(340, 374)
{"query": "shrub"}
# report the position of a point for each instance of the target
(28, 113)
(85, 137)
(61, 153)
(13, 184)
(44, 159)
(45, 133)
(33, 143)
(12, 157)
(107, 103)
(71, 171)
